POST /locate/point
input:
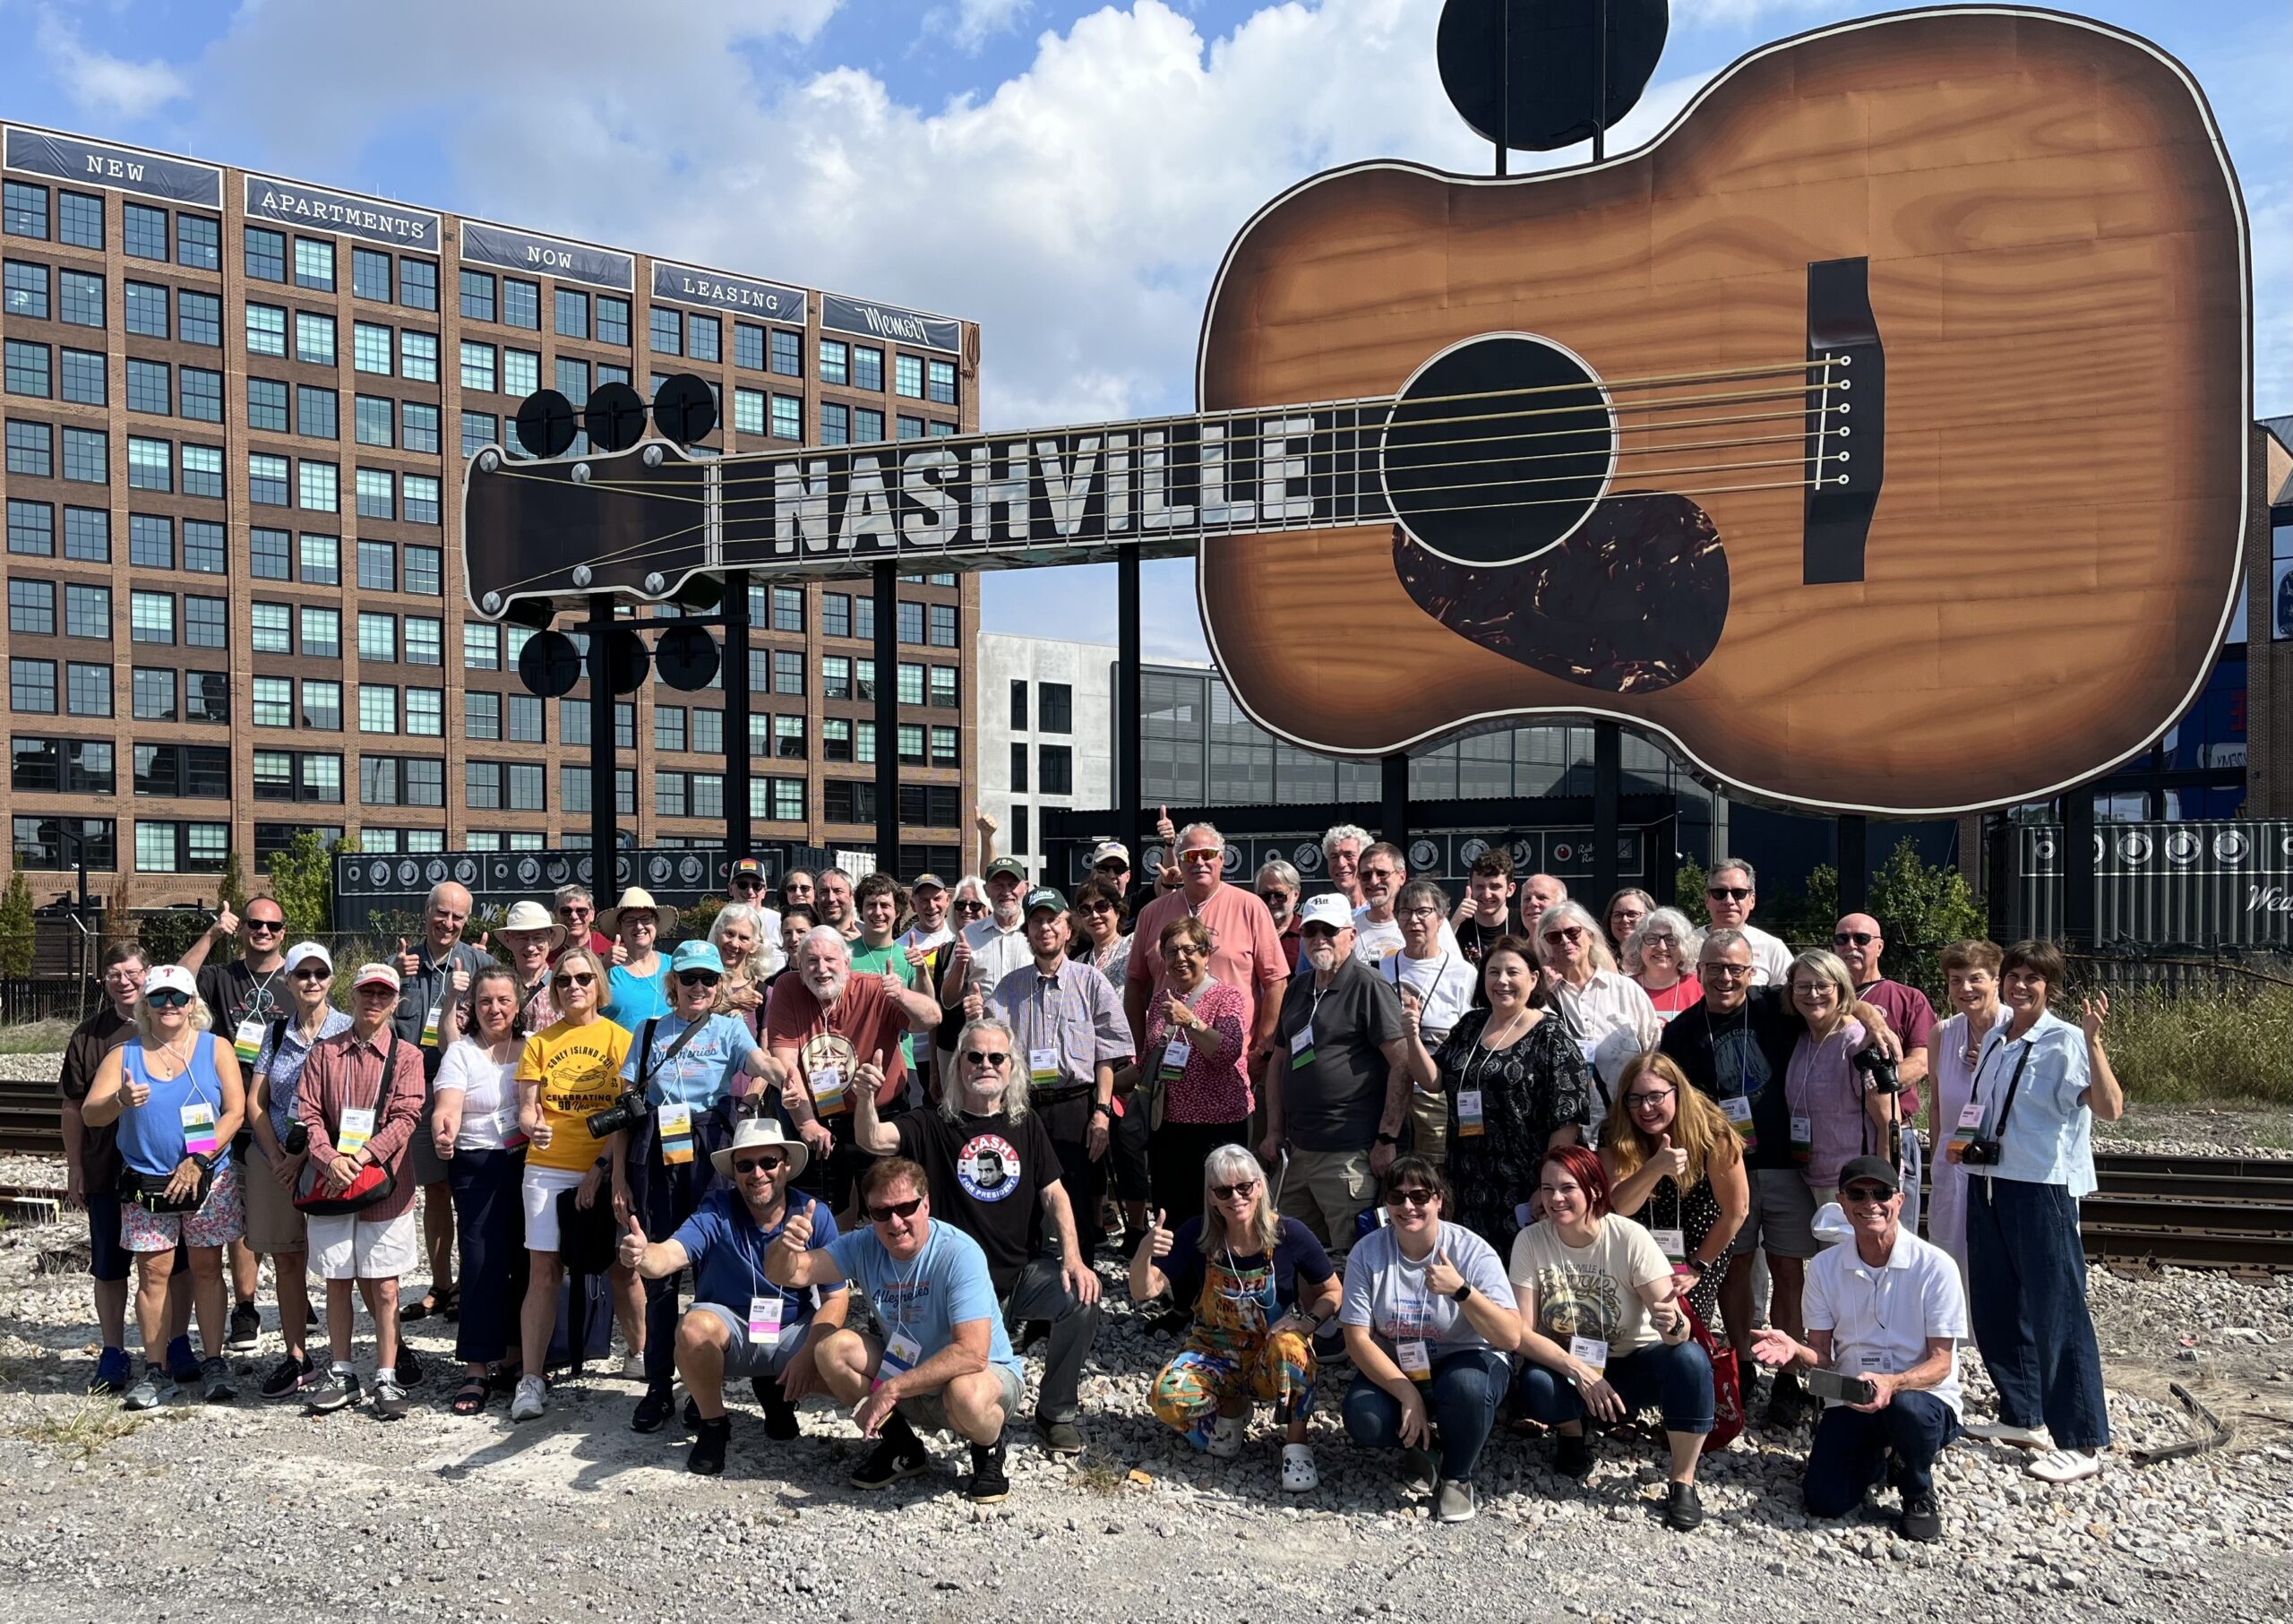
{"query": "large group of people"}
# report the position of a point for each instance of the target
(862, 1140)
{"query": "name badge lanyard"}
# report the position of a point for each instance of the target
(201, 1114)
(1745, 1130)
(2014, 1086)
(1051, 1008)
(902, 1347)
(1257, 1300)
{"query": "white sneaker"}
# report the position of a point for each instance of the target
(531, 1398)
(2065, 1465)
(1298, 1474)
(2001, 1432)
(632, 1368)
(1225, 1438)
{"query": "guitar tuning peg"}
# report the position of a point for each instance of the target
(655, 584)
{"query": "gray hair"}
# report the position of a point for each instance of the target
(1422, 890)
(1285, 875)
(969, 882)
(1596, 941)
(1230, 1165)
(564, 894)
(1672, 920)
(1751, 879)
(1727, 936)
(1342, 832)
(764, 954)
(825, 935)
(1186, 834)
(1015, 1086)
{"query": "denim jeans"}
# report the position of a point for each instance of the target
(1461, 1400)
(1675, 1377)
(1851, 1449)
(2026, 1303)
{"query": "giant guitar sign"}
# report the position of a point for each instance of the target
(1875, 436)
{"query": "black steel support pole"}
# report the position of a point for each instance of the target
(1608, 793)
(739, 815)
(888, 725)
(604, 803)
(1854, 865)
(1393, 817)
(1130, 776)
(2078, 867)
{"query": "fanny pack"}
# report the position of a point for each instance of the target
(149, 1191)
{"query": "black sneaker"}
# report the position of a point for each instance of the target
(409, 1368)
(1573, 1457)
(290, 1377)
(779, 1416)
(988, 1485)
(1787, 1403)
(709, 1441)
(338, 1391)
(216, 1372)
(898, 1456)
(653, 1411)
(1922, 1518)
(246, 1326)
(1683, 1508)
(183, 1364)
(691, 1414)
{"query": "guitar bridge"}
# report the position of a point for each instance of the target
(1847, 419)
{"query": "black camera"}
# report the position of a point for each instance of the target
(1880, 1073)
(297, 1140)
(627, 1111)
(1978, 1152)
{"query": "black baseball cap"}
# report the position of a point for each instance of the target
(1877, 1169)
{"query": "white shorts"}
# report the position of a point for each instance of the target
(540, 1193)
(348, 1247)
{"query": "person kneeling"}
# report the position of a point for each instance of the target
(1428, 1319)
(1886, 1311)
(1600, 1329)
(943, 1358)
(740, 1323)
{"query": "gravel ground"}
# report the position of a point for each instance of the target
(198, 1513)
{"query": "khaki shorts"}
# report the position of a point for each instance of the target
(1428, 1125)
(1327, 1190)
(273, 1225)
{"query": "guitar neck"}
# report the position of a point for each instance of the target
(1153, 486)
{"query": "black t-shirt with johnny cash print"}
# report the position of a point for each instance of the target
(986, 1175)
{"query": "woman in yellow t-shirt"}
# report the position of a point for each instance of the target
(570, 1069)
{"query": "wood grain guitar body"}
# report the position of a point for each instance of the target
(2057, 267)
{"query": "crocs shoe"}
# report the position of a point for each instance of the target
(1226, 1440)
(1298, 1474)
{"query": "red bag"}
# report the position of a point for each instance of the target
(373, 1184)
(1727, 1384)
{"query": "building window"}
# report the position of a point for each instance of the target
(377, 637)
(370, 347)
(377, 566)
(31, 607)
(477, 367)
(199, 318)
(481, 646)
(372, 420)
(79, 220)
(203, 551)
(28, 370)
(31, 450)
(942, 387)
(81, 304)
(946, 747)
(477, 296)
(521, 304)
(266, 330)
(526, 719)
(911, 622)
(612, 321)
(315, 264)
(42, 843)
(425, 712)
(87, 535)
(87, 612)
(87, 459)
(1058, 707)
(704, 337)
(32, 529)
(943, 688)
(81, 376)
(271, 627)
(943, 625)
(370, 273)
(425, 640)
(321, 631)
(198, 242)
(521, 371)
(910, 744)
(24, 211)
(417, 284)
(322, 703)
(836, 362)
(419, 426)
(318, 486)
(87, 690)
(664, 333)
(151, 541)
(787, 671)
(788, 741)
(266, 254)
(911, 683)
(909, 428)
(269, 555)
(274, 702)
(315, 412)
(322, 560)
(206, 622)
(314, 339)
(266, 405)
(788, 609)
(747, 409)
(479, 429)
(377, 498)
(787, 417)
(787, 353)
(1018, 768)
(748, 346)
(31, 686)
(200, 395)
(417, 356)
(153, 694)
(668, 727)
(26, 292)
(203, 471)
(425, 571)
(572, 308)
(481, 716)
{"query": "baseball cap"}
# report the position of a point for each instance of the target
(369, 975)
(1044, 896)
(927, 883)
(1330, 908)
(309, 949)
(1877, 1169)
(696, 956)
(748, 868)
(1110, 851)
(170, 977)
(1008, 865)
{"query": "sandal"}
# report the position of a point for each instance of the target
(450, 1305)
(470, 1397)
(421, 1308)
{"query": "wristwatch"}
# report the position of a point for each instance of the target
(1389, 1139)
(1102, 1108)
(1463, 1291)
(200, 1160)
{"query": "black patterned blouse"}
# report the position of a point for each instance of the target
(1529, 1090)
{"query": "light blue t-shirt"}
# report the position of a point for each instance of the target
(929, 1295)
(631, 1000)
(698, 1075)
(2048, 1137)
(283, 1065)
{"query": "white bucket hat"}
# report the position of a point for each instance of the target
(761, 1133)
(640, 899)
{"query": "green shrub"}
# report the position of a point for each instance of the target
(2218, 1044)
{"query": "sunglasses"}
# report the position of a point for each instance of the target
(999, 1058)
(1861, 939)
(1866, 1195)
(748, 885)
(166, 998)
(971, 908)
(570, 912)
(1733, 893)
(266, 924)
(1415, 1195)
(1720, 970)
(315, 975)
(1650, 1100)
(579, 978)
(1200, 857)
(1234, 1193)
(894, 1209)
(1566, 932)
(1270, 895)
(375, 989)
(1098, 907)
(767, 1164)
(698, 978)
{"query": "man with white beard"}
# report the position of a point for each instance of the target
(822, 1021)
(986, 952)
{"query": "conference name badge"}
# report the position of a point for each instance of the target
(676, 1137)
(1592, 1351)
(1302, 1047)
(1470, 1124)
(1738, 1109)
(1043, 1067)
(1970, 1125)
(827, 1090)
(357, 1127)
(901, 1351)
(1673, 1242)
(1416, 1363)
(1803, 1140)
(1176, 1055)
(764, 1319)
(430, 1024)
(198, 1128)
(246, 1043)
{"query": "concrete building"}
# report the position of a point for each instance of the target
(1043, 717)
(238, 408)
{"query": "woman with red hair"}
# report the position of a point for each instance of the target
(1601, 1331)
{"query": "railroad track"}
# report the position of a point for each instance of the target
(2189, 1211)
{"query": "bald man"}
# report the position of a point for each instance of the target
(1538, 893)
(432, 971)
(1859, 942)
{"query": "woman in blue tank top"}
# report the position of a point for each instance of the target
(175, 1090)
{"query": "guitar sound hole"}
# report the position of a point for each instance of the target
(1498, 450)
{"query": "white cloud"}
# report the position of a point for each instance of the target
(100, 83)
(971, 23)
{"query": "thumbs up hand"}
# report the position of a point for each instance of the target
(1164, 830)
(868, 1079)
(633, 1244)
(408, 963)
(1159, 1239)
(1441, 1276)
(1670, 1157)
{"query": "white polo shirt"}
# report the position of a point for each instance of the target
(1881, 1318)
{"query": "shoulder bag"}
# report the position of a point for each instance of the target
(375, 1184)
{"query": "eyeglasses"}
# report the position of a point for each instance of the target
(1416, 1195)
(1428, 913)
(1234, 1193)
(316, 973)
(1720, 969)
(1184, 950)
(745, 1165)
(1866, 1195)
(698, 978)
(997, 1058)
(1861, 939)
(642, 921)
(375, 989)
(579, 978)
(1568, 933)
(894, 1209)
(1649, 939)
(266, 925)
(166, 998)
(1732, 893)
(1650, 1100)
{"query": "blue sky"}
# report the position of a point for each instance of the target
(1099, 157)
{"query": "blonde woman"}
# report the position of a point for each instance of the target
(1605, 1013)
(1676, 1167)
(751, 957)
(1261, 1287)
(1834, 1118)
